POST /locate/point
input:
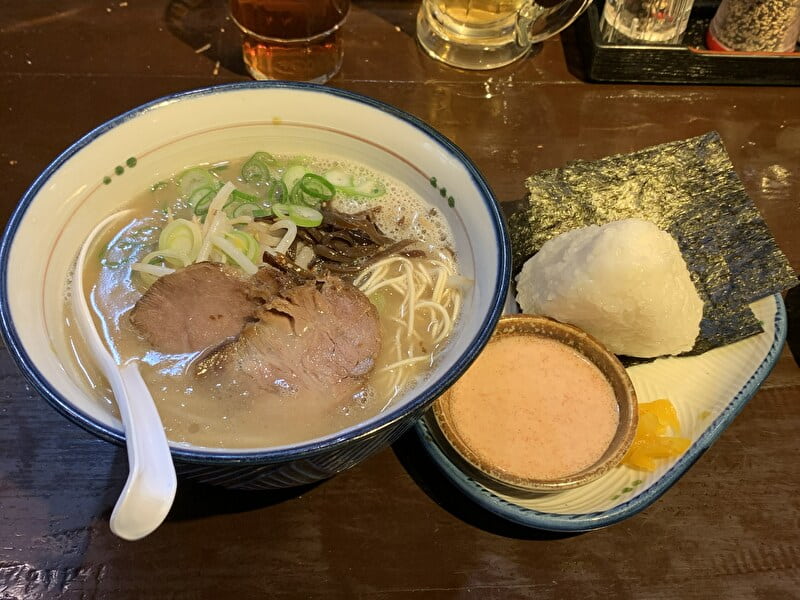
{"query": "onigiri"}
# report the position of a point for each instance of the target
(625, 283)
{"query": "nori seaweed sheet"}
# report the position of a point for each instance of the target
(688, 188)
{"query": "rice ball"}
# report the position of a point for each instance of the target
(624, 283)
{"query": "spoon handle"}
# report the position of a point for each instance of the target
(151, 484)
(151, 471)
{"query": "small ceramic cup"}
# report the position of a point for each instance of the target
(481, 468)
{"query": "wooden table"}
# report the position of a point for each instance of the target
(390, 527)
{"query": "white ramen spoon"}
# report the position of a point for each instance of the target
(150, 489)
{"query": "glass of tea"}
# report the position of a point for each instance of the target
(486, 34)
(295, 40)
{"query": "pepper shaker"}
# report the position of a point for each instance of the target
(755, 26)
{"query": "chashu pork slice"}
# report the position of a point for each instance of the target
(200, 306)
(317, 340)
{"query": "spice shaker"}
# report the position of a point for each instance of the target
(755, 26)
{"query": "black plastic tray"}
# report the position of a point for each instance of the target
(689, 62)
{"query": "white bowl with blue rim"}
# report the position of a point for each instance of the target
(107, 167)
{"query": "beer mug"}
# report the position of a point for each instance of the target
(486, 34)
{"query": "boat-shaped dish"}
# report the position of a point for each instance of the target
(708, 391)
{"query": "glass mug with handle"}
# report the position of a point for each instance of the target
(486, 34)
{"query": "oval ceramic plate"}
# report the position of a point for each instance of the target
(708, 391)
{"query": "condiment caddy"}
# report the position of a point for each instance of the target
(688, 62)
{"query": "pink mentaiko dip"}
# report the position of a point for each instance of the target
(534, 408)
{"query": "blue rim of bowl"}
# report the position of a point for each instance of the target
(587, 521)
(298, 451)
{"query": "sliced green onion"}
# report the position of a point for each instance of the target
(255, 171)
(244, 242)
(292, 175)
(250, 209)
(304, 216)
(278, 193)
(316, 186)
(203, 200)
(198, 195)
(239, 196)
(234, 253)
(239, 199)
(298, 196)
(194, 179)
(182, 236)
(173, 258)
(339, 178)
(281, 210)
(266, 158)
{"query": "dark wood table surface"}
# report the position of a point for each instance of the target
(390, 527)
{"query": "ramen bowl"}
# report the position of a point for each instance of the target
(103, 170)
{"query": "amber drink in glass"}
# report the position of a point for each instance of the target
(487, 34)
(296, 40)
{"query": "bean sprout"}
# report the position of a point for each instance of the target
(288, 237)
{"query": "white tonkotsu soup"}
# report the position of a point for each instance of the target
(418, 297)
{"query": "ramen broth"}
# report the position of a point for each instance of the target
(207, 413)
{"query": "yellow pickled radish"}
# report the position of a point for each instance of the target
(639, 460)
(650, 426)
(664, 447)
(665, 412)
(652, 443)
